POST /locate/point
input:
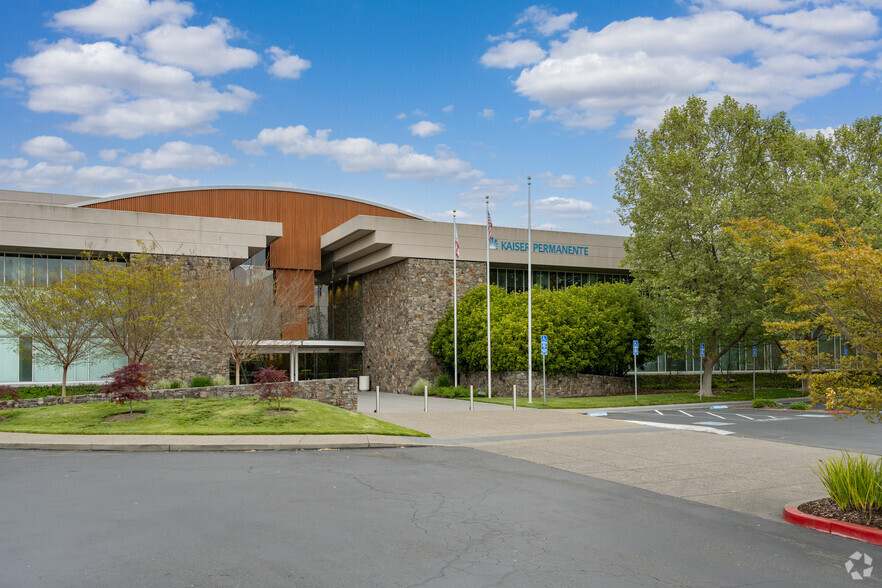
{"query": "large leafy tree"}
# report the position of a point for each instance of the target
(679, 186)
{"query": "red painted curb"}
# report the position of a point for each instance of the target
(850, 530)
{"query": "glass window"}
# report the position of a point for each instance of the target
(41, 270)
(8, 359)
(520, 279)
(570, 279)
(510, 280)
(561, 281)
(543, 279)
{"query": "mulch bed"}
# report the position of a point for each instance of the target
(124, 417)
(827, 509)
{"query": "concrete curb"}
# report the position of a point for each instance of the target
(850, 530)
(371, 442)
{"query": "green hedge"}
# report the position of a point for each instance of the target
(589, 330)
(55, 390)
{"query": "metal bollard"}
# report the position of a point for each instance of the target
(426, 399)
(377, 409)
(514, 397)
(471, 398)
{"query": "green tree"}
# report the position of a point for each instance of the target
(827, 274)
(677, 188)
(589, 329)
(57, 317)
(137, 303)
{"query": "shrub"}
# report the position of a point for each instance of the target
(798, 406)
(127, 384)
(8, 393)
(175, 384)
(220, 381)
(765, 403)
(419, 386)
(200, 382)
(162, 385)
(853, 482)
(272, 385)
(442, 381)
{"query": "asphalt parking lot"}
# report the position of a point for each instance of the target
(812, 428)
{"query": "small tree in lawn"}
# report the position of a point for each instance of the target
(128, 384)
(272, 385)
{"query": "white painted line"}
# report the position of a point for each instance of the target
(683, 427)
(596, 414)
(716, 416)
(771, 418)
(719, 407)
(684, 412)
(661, 413)
(744, 416)
(817, 416)
(715, 424)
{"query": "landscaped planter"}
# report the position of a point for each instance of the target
(851, 530)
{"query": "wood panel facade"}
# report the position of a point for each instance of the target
(305, 218)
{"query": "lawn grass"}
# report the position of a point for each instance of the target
(643, 399)
(209, 416)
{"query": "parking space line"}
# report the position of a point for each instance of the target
(686, 413)
(744, 416)
(683, 427)
(716, 416)
(660, 412)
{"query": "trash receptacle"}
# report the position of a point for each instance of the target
(364, 383)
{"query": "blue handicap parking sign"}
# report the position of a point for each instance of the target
(544, 344)
(636, 346)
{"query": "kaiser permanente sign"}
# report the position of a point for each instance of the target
(541, 247)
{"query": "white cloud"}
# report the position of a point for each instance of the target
(545, 21)
(286, 65)
(563, 182)
(115, 92)
(827, 132)
(359, 154)
(640, 67)
(547, 227)
(16, 163)
(55, 149)
(590, 181)
(121, 18)
(564, 206)
(109, 155)
(498, 189)
(203, 50)
(178, 155)
(513, 54)
(401, 116)
(418, 112)
(487, 113)
(535, 114)
(447, 109)
(98, 180)
(426, 128)
(446, 216)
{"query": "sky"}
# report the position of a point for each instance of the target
(421, 106)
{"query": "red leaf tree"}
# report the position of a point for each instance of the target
(127, 384)
(272, 385)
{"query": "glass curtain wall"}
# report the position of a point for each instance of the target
(515, 279)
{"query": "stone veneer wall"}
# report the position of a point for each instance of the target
(341, 392)
(184, 355)
(402, 304)
(557, 386)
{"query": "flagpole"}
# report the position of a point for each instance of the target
(489, 382)
(455, 255)
(529, 295)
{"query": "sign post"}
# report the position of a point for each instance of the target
(544, 353)
(701, 355)
(754, 372)
(636, 350)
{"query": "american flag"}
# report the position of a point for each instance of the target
(455, 241)
(489, 229)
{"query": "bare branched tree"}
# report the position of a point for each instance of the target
(241, 312)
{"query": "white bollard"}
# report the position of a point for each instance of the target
(514, 397)
(377, 409)
(426, 399)
(471, 398)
